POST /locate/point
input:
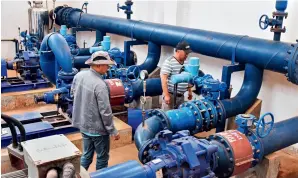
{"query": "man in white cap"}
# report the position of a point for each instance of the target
(92, 112)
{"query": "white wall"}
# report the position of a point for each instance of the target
(237, 17)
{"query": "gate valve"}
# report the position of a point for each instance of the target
(247, 121)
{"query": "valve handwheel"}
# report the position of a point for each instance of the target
(75, 49)
(264, 22)
(133, 73)
(263, 128)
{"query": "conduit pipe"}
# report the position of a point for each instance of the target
(186, 118)
(265, 54)
(54, 49)
(13, 132)
(17, 123)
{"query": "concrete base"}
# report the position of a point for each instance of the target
(17, 100)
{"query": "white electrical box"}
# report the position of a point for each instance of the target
(50, 152)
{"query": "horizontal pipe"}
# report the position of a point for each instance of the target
(184, 77)
(264, 54)
(248, 93)
(79, 62)
(153, 87)
(283, 134)
(152, 58)
(54, 48)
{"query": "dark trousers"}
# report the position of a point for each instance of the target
(98, 144)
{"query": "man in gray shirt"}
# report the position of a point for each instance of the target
(171, 67)
(92, 113)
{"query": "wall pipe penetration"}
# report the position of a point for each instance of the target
(265, 54)
(186, 117)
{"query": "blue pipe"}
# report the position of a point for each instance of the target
(127, 169)
(283, 134)
(152, 126)
(153, 87)
(248, 93)
(264, 54)
(187, 117)
(152, 59)
(184, 77)
(54, 48)
(79, 62)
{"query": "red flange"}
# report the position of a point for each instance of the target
(117, 94)
(241, 148)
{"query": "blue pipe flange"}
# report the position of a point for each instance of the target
(221, 111)
(257, 147)
(228, 168)
(205, 115)
(128, 91)
(66, 15)
(292, 67)
(67, 76)
(212, 111)
(198, 116)
(162, 115)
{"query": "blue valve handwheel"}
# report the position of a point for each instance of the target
(264, 22)
(263, 128)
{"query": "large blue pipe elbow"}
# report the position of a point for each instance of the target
(283, 134)
(54, 48)
(152, 59)
(152, 126)
(248, 93)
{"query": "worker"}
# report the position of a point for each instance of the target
(172, 66)
(92, 113)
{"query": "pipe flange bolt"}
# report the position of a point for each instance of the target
(293, 65)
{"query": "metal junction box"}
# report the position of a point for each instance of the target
(49, 152)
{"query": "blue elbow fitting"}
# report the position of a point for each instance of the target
(94, 49)
(63, 30)
(184, 77)
(193, 66)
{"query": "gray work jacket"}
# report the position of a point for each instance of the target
(92, 111)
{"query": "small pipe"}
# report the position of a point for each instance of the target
(13, 132)
(19, 125)
(52, 173)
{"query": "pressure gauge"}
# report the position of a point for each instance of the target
(144, 74)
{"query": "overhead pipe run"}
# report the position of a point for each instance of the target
(265, 54)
